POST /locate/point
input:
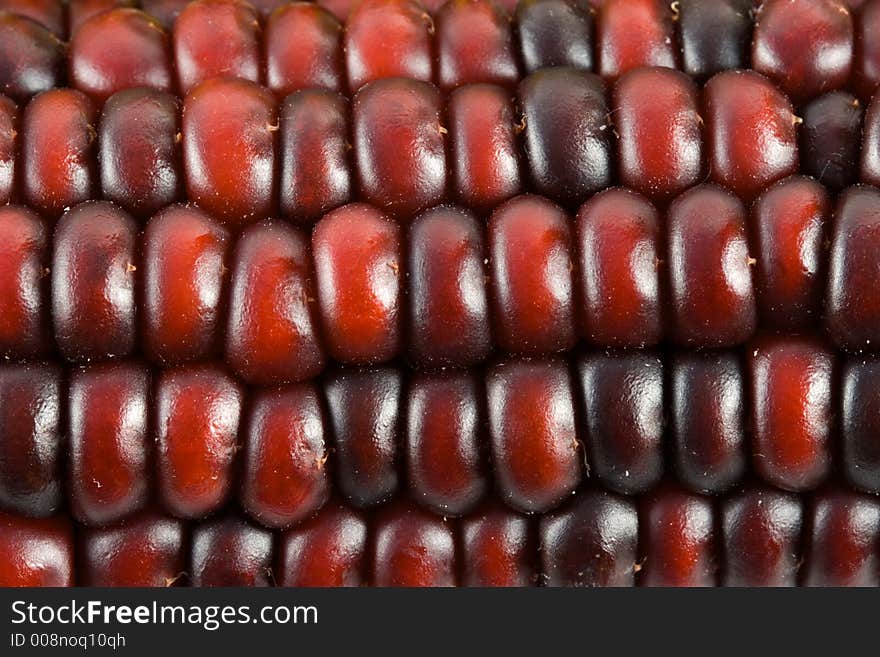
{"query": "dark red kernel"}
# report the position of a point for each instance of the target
(117, 50)
(58, 151)
(110, 453)
(474, 44)
(315, 172)
(448, 298)
(761, 537)
(498, 548)
(412, 547)
(399, 149)
(229, 149)
(185, 273)
(444, 440)
(789, 231)
(841, 542)
(358, 259)
(677, 539)
(229, 551)
(272, 329)
(530, 266)
(94, 264)
(591, 541)
(328, 549)
(201, 26)
(618, 243)
(36, 552)
(364, 409)
(303, 49)
(24, 260)
(566, 134)
(31, 58)
(147, 549)
(708, 419)
(139, 152)
(196, 422)
(284, 475)
(623, 417)
(32, 444)
(537, 457)
(792, 389)
(484, 150)
(710, 269)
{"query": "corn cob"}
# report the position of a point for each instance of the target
(387, 294)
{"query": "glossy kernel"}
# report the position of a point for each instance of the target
(444, 442)
(860, 422)
(32, 443)
(715, 36)
(618, 244)
(285, 477)
(31, 57)
(119, 49)
(36, 552)
(708, 420)
(633, 33)
(554, 33)
(147, 549)
(474, 44)
(659, 129)
(484, 149)
(185, 271)
(272, 332)
(230, 551)
(677, 539)
(805, 46)
(24, 260)
(792, 388)
(623, 401)
(761, 537)
(201, 26)
(303, 49)
(229, 149)
(139, 151)
(497, 548)
(196, 424)
(110, 453)
(710, 269)
(841, 542)
(591, 541)
(751, 132)
(58, 151)
(399, 145)
(358, 259)
(831, 137)
(852, 312)
(328, 549)
(412, 547)
(8, 149)
(94, 264)
(364, 409)
(789, 229)
(566, 134)
(315, 173)
(448, 297)
(537, 457)
(530, 268)
(387, 39)
(870, 156)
